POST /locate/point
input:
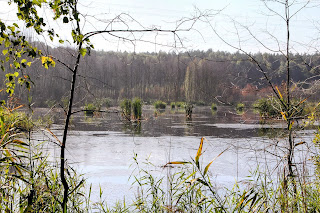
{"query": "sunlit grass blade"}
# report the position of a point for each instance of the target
(300, 143)
(280, 95)
(54, 135)
(176, 162)
(18, 107)
(207, 167)
(199, 152)
(284, 116)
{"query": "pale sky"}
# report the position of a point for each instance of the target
(231, 24)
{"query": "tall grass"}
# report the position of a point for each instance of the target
(137, 108)
(189, 188)
(28, 181)
(126, 108)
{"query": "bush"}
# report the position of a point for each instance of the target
(89, 109)
(173, 105)
(160, 104)
(214, 107)
(268, 107)
(240, 107)
(180, 104)
(137, 108)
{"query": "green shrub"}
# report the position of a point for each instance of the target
(89, 109)
(268, 107)
(214, 107)
(173, 105)
(180, 104)
(240, 107)
(137, 108)
(160, 104)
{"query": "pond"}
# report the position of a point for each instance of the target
(102, 147)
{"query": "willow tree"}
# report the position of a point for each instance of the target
(190, 82)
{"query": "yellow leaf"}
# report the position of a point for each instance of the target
(284, 116)
(54, 136)
(43, 59)
(279, 93)
(207, 167)
(300, 143)
(291, 124)
(47, 61)
(199, 151)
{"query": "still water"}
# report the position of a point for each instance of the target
(102, 147)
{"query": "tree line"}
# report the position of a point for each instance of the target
(195, 76)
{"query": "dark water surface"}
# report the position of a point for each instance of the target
(102, 147)
(224, 123)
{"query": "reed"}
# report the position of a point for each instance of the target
(126, 108)
(137, 108)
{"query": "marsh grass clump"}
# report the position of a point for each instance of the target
(137, 108)
(160, 104)
(126, 108)
(131, 109)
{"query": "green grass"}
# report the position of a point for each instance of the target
(137, 108)
(126, 108)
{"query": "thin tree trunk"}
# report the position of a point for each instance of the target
(65, 133)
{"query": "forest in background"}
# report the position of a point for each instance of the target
(200, 77)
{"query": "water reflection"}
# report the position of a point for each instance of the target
(133, 127)
(223, 123)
